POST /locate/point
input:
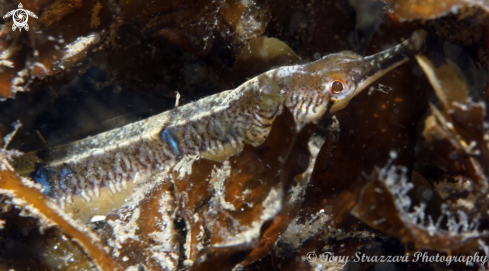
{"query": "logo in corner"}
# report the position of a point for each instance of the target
(20, 17)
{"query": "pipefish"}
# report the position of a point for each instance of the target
(85, 172)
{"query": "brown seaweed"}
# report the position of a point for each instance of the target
(29, 199)
(131, 57)
(450, 143)
(425, 10)
(232, 210)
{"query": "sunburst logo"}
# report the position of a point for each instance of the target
(20, 17)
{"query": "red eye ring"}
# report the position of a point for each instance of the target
(336, 87)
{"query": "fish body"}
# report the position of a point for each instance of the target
(215, 127)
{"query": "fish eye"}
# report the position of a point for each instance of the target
(336, 87)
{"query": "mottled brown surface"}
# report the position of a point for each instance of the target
(149, 50)
(32, 200)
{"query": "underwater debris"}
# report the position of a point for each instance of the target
(23, 194)
(261, 54)
(78, 34)
(229, 209)
(156, 48)
(451, 145)
(42, 54)
(254, 20)
(456, 135)
(385, 205)
(425, 9)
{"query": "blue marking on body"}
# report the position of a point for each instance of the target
(65, 180)
(168, 138)
(41, 176)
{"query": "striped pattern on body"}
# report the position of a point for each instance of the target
(214, 127)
